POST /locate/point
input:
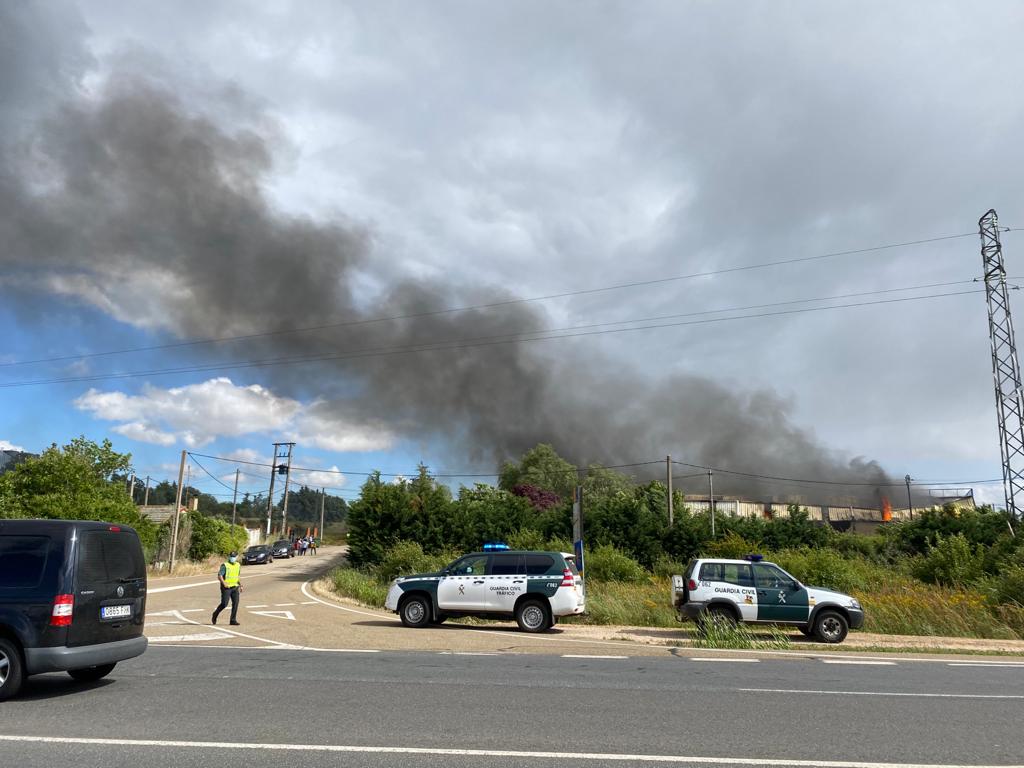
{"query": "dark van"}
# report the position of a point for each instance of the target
(72, 599)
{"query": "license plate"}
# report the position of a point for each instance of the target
(115, 611)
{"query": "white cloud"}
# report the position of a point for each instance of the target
(325, 478)
(8, 446)
(197, 414)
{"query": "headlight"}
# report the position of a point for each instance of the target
(854, 603)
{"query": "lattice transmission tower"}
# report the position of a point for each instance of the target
(1005, 368)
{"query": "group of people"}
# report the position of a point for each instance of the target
(304, 545)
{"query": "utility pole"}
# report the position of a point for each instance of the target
(910, 504)
(323, 501)
(188, 484)
(177, 514)
(234, 499)
(287, 482)
(274, 467)
(668, 483)
(145, 501)
(711, 502)
(1005, 367)
(131, 490)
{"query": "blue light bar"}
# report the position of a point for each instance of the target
(754, 558)
(495, 546)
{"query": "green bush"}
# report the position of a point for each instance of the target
(732, 546)
(407, 558)
(826, 568)
(666, 567)
(1009, 585)
(606, 563)
(213, 536)
(951, 562)
(527, 538)
(348, 582)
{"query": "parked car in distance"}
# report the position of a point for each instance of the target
(72, 599)
(534, 588)
(282, 548)
(257, 554)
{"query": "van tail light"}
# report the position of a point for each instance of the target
(568, 580)
(63, 607)
(691, 584)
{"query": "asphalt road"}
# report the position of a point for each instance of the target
(676, 708)
(308, 681)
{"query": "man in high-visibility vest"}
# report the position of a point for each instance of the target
(230, 587)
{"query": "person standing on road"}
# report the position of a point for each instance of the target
(229, 577)
(312, 545)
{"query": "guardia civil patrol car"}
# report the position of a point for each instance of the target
(534, 588)
(756, 592)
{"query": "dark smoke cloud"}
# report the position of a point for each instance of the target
(133, 182)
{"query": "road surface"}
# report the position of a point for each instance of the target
(470, 698)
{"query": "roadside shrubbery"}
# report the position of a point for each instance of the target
(213, 536)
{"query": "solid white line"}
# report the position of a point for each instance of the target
(258, 605)
(193, 610)
(232, 632)
(281, 605)
(887, 693)
(179, 586)
(590, 656)
(519, 755)
(470, 653)
(313, 597)
(860, 661)
(724, 658)
(984, 664)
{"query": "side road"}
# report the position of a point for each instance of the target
(290, 603)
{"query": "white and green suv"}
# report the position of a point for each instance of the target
(534, 588)
(756, 592)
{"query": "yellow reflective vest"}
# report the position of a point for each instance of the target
(231, 573)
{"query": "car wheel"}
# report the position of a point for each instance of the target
(415, 611)
(830, 627)
(91, 674)
(806, 630)
(532, 616)
(441, 619)
(270, 559)
(12, 673)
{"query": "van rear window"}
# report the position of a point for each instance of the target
(106, 556)
(22, 561)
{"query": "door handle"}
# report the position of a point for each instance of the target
(761, 592)
(517, 581)
(479, 581)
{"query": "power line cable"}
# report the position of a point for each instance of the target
(457, 344)
(806, 481)
(491, 305)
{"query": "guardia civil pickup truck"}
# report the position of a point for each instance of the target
(755, 592)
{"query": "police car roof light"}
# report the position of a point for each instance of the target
(495, 546)
(754, 558)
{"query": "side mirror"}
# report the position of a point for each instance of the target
(795, 585)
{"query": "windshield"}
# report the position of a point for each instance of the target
(256, 550)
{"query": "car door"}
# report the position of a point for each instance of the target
(506, 581)
(464, 586)
(780, 597)
(733, 582)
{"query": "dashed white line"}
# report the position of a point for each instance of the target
(590, 656)
(899, 694)
(1017, 665)
(282, 605)
(258, 605)
(862, 662)
(725, 659)
(516, 755)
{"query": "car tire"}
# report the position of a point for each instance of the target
(831, 627)
(441, 619)
(806, 630)
(533, 616)
(91, 674)
(415, 611)
(12, 671)
(270, 559)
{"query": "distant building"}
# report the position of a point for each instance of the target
(10, 459)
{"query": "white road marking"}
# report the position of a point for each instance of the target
(519, 755)
(1018, 665)
(258, 605)
(469, 653)
(201, 637)
(283, 605)
(590, 656)
(193, 610)
(305, 591)
(179, 586)
(276, 614)
(887, 693)
(308, 602)
(232, 632)
(724, 658)
(860, 661)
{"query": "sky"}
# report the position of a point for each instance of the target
(421, 217)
